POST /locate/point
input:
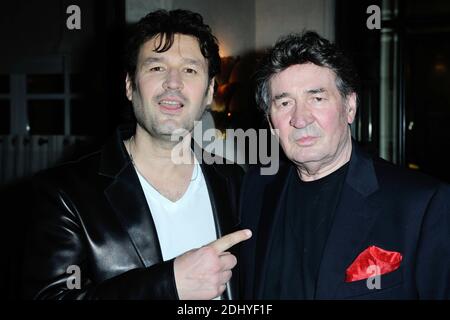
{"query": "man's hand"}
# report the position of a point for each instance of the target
(202, 273)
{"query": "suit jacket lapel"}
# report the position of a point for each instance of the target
(272, 208)
(352, 222)
(127, 198)
(128, 201)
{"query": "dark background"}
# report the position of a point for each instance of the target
(62, 92)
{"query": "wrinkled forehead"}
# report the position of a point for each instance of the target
(304, 77)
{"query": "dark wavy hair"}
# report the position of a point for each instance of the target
(166, 24)
(307, 47)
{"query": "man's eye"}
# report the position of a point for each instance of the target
(156, 69)
(190, 71)
(318, 99)
(285, 103)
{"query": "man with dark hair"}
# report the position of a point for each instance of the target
(132, 221)
(335, 223)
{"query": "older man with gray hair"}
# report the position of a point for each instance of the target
(335, 223)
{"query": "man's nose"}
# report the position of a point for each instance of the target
(301, 117)
(173, 80)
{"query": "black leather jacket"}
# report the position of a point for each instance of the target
(92, 213)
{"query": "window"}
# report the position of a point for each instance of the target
(5, 116)
(5, 108)
(50, 100)
(46, 117)
(45, 83)
(4, 84)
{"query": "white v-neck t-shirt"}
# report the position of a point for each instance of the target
(185, 224)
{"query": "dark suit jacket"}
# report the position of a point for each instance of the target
(93, 213)
(381, 205)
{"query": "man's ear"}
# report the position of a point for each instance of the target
(210, 92)
(128, 87)
(351, 106)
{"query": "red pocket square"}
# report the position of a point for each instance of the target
(373, 261)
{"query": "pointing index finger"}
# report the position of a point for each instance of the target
(229, 240)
